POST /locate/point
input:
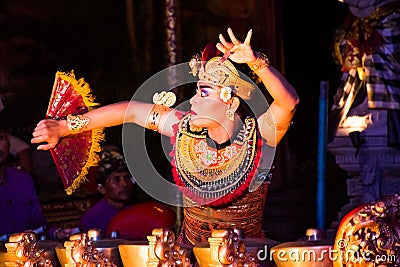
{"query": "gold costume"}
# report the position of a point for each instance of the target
(223, 185)
(216, 181)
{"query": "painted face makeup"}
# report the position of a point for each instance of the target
(208, 109)
(206, 89)
(225, 93)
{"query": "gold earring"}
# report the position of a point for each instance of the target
(230, 114)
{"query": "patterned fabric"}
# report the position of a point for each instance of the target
(244, 213)
(369, 51)
(215, 175)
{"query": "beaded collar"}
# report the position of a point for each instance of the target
(214, 176)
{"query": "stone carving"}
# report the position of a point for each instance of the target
(370, 235)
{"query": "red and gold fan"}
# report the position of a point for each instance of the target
(74, 154)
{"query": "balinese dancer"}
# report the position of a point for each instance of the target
(217, 146)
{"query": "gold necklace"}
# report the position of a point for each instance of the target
(209, 174)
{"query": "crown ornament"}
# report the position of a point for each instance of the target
(222, 73)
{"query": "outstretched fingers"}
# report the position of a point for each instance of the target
(234, 40)
(225, 45)
(248, 37)
(235, 50)
(223, 49)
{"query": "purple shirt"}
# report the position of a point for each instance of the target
(19, 206)
(98, 216)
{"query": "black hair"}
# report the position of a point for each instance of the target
(244, 111)
(107, 167)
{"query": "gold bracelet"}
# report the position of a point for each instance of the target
(278, 127)
(261, 62)
(77, 124)
(156, 113)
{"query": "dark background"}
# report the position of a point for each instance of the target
(38, 38)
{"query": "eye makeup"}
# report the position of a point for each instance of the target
(205, 89)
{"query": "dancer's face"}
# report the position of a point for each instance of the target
(208, 109)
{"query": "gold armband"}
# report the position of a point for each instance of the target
(155, 115)
(162, 103)
(260, 63)
(278, 127)
(77, 124)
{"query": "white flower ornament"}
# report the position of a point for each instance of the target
(225, 94)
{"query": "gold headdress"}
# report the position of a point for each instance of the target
(222, 74)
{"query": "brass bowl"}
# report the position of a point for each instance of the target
(257, 247)
(308, 253)
(50, 251)
(109, 247)
(134, 253)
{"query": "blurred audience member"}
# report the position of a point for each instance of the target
(19, 204)
(21, 151)
(118, 190)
